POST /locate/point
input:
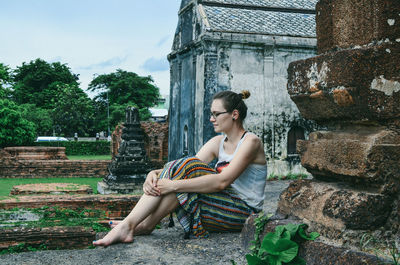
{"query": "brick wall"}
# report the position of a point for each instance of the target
(156, 142)
(53, 168)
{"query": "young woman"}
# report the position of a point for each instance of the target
(204, 199)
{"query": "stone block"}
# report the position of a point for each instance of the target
(53, 237)
(34, 153)
(335, 206)
(344, 24)
(355, 85)
(317, 253)
(51, 188)
(114, 206)
(367, 155)
(53, 168)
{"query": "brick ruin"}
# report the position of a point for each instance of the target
(46, 162)
(353, 89)
(155, 141)
(43, 162)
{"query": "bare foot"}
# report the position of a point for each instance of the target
(119, 234)
(139, 230)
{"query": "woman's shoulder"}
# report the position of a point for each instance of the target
(252, 137)
(217, 139)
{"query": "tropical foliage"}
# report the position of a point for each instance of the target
(42, 98)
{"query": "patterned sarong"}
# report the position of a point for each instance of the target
(200, 213)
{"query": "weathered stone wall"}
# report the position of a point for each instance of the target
(353, 88)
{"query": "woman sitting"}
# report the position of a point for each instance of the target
(204, 199)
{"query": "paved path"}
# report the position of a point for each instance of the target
(163, 246)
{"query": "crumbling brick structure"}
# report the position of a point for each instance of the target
(352, 88)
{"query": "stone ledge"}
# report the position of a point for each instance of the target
(51, 188)
(350, 85)
(52, 237)
(53, 168)
(334, 205)
(357, 155)
(33, 153)
(114, 206)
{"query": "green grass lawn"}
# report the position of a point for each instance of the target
(96, 157)
(7, 184)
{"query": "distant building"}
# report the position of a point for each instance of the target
(236, 45)
(159, 115)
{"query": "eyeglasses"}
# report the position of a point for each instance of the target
(216, 114)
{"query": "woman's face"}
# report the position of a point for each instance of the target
(219, 117)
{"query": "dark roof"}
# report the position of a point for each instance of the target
(228, 19)
(270, 17)
(289, 4)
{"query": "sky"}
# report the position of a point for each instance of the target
(92, 37)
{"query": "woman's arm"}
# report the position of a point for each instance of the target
(246, 154)
(209, 151)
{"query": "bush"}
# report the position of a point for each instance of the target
(14, 129)
(80, 148)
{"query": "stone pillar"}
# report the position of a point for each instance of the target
(129, 167)
(352, 88)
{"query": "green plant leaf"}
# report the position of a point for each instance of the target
(286, 235)
(253, 260)
(297, 261)
(303, 234)
(279, 230)
(273, 260)
(285, 249)
(293, 228)
(271, 236)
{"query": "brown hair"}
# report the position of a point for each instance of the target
(232, 101)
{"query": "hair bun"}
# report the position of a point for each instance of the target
(245, 94)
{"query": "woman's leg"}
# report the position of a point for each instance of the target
(149, 210)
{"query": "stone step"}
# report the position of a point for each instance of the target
(66, 237)
(51, 188)
(115, 206)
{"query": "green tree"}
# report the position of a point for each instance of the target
(38, 82)
(14, 129)
(73, 112)
(5, 81)
(42, 118)
(121, 89)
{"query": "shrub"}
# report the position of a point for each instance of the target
(81, 148)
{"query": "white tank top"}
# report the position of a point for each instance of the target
(250, 185)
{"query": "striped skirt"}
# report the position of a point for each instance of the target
(201, 213)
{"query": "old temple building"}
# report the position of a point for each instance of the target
(236, 45)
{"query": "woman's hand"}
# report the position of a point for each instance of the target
(165, 186)
(150, 184)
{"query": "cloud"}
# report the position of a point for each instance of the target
(155, 65)
(162, 41)
(115, 61)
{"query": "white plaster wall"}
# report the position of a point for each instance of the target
(271, 112)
